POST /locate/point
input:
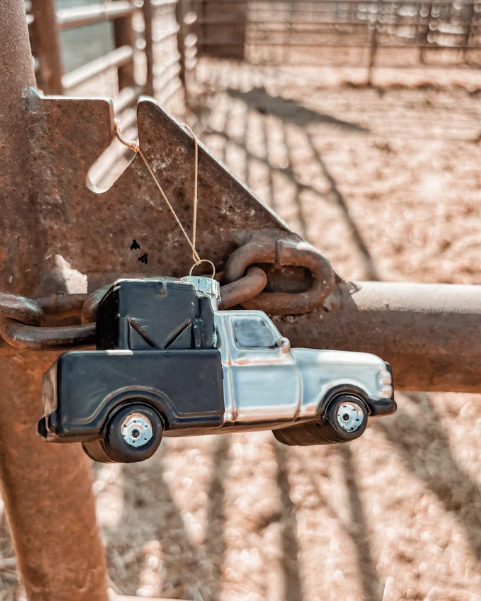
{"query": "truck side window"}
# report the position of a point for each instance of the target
(252, 332)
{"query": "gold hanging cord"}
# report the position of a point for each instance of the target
(136, 148)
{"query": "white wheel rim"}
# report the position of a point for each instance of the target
(137, 430)
(350, 416)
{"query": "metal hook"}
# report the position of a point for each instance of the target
(199, 263)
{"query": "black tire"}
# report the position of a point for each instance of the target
(334, 413)
(327, 430)
(115, 446)
(302, 435)
(96, 451)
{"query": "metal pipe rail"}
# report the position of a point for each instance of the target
(46, 43)
(161, 3)
(116, 58)
(126, 98)
(70, 18)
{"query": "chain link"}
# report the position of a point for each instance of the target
(280, 253)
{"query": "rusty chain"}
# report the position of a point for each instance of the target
(281, 253)
(22, 320)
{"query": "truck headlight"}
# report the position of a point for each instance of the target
(384, 382)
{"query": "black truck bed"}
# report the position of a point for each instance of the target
(83, 387)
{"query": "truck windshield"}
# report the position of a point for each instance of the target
(253, 332)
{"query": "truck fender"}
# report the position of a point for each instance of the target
(345, 389)
(139, 394)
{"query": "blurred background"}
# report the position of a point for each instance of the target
(359, 123)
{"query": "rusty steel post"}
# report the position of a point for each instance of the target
(46, 488)
(124, 35)
(47, 43)
(429, 333)
(148, 11)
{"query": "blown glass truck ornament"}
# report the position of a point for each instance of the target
(168, 363)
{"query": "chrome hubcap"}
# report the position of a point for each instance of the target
(137, 430)
(350, 416)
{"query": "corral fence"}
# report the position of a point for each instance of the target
(341, 32)
(148, 28)
(152, 46)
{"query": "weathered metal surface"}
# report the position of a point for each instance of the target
(16, 334)
(61, 305)
(46, 488)
(429, 333)
(32, 338)
(21, 308)
(47, 43)
(73, 133)
(19, 315)
(94, 231)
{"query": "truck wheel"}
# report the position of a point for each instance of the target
(132, 434)
(345, 419)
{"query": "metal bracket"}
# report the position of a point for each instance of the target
(94, 231)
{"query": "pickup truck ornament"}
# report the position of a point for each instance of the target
(169, 363)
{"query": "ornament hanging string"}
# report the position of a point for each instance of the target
(136, 148)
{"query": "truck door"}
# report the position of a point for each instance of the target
(266, 382)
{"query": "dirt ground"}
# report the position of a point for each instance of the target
(386, 181)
